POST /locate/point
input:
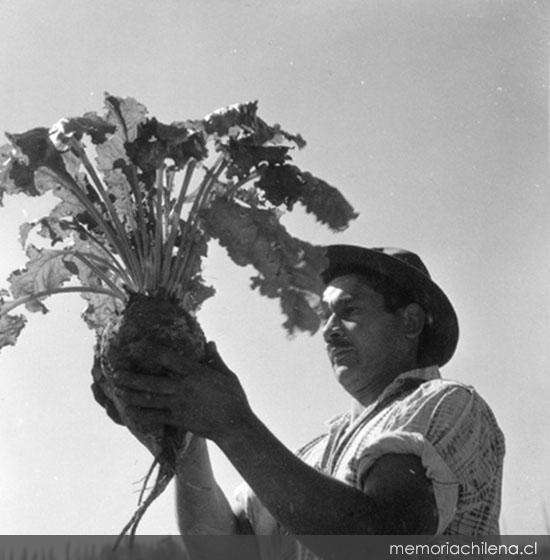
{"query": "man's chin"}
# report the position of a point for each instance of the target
(344, 373)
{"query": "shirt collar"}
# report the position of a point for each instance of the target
(422, 374)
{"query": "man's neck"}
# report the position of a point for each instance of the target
(371, 392)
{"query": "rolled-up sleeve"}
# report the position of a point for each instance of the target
(455, 434)
(443, 480)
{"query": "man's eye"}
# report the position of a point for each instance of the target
(350, 311)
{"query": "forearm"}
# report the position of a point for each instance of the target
(302, 499)
(208, 526)
(202, 507)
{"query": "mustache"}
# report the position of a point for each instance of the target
(337, 343)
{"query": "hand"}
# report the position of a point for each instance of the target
(204, 398)
(100, 396)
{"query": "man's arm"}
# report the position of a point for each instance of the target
(208, 400)
(397, 496)
(201, 505)
(205, 518)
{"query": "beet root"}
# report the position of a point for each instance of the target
(132, 342)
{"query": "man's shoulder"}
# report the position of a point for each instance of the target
(451, 389)
(429, 380)
(453, 393)
(458, 403)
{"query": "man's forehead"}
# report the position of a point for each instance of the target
(347, 286)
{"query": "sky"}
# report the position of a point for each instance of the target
(430, 117)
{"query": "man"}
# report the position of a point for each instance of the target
(415, 454)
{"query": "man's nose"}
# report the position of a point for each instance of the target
(332, 328)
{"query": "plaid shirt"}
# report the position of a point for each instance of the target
(446, 423)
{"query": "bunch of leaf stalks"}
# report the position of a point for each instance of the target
(131, 230)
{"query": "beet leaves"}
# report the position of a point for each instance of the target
(138, 203)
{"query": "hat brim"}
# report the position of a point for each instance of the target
(441, 329)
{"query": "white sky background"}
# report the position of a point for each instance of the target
(431, 117)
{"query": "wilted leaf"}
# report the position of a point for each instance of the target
(70, 205)
(243, 115)
(36, 146)
(7, 185)
(301, 316)
(24, 231)
(126, 113)
(10, 327)
(100, 311)
(120, 193)
(91, 251)
(55, 230)
(90, 124)
(288, 184)
(156, 142)
(289, 269)
(326, 203)
(281, 184)
(245, 155)
(45, 270)
(111, 151)
(241, 120)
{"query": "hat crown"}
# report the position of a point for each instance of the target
(407, 257)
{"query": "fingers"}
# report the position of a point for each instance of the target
(146, 409)
(151, 416)
(174, 362)
(142, 399)
(145, 383)
(106, 403)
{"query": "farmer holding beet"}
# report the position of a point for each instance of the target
(415, 454)
(137, 204)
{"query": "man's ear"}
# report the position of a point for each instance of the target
(414, 318)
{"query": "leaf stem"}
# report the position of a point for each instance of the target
(98, 272)
(158, 239)
(102, 192)
(75, 189)
(7, 307)
(140, 234)
(231, 192)
(175, 220)
(112, 260)
(141, 221)
(188, 242)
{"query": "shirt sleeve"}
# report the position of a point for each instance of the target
(466, 434)
(461, 448)
(445, 484)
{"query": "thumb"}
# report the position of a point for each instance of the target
(214, 360)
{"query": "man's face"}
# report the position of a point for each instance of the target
(364, 340)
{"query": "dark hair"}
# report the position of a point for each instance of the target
(395, 297)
